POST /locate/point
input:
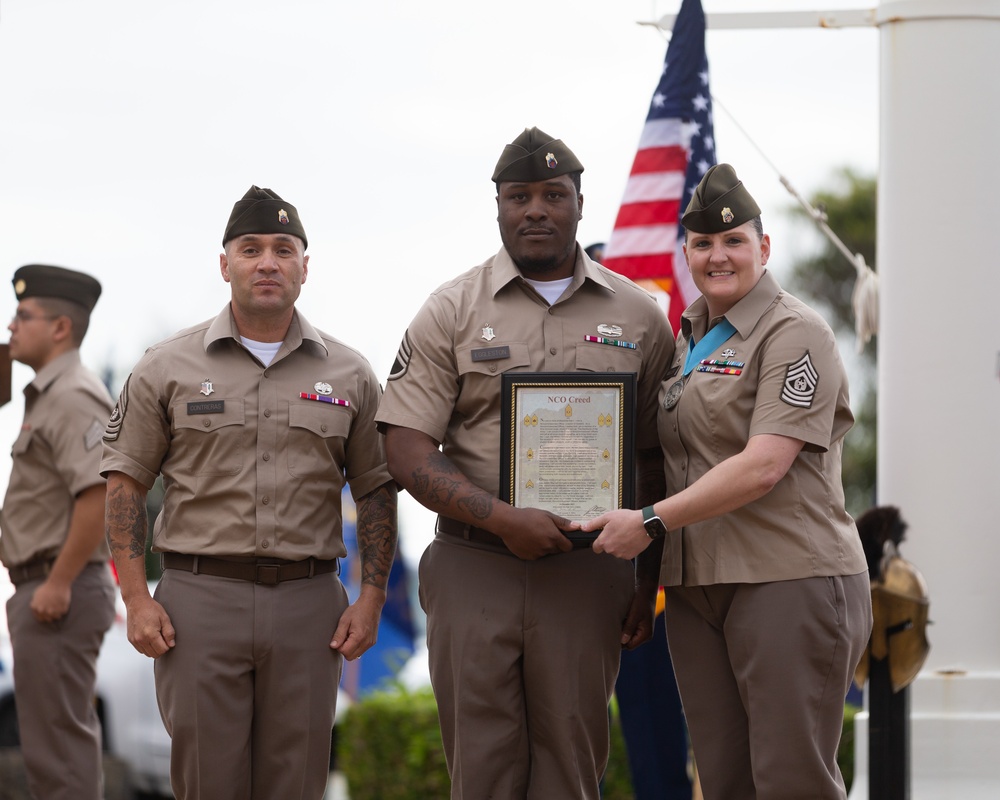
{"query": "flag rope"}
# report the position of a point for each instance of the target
(864, 298)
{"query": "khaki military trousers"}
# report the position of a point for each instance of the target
(55, 671)
(763, 670)
(523, 661)
(248, 692)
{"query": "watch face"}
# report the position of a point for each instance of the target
(655, 527)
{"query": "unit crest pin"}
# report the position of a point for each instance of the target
(206, 387)
(488, 334)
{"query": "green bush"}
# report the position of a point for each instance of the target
(389, 748)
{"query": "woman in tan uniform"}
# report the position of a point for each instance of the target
(768, 606)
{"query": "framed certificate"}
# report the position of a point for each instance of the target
(568, 442)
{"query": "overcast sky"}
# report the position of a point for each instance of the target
(128, 130)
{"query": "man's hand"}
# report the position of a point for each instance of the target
(638, 627)
(357, 630)
(531, 533)
(50, 602)
(149, 628)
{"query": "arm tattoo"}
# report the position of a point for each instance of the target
(127, 524)
(440, 486)
(377, 534)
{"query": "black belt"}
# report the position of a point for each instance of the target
(30, 570)
(452, 527)
(268, 571)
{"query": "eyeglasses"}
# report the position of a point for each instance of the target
(24, 316)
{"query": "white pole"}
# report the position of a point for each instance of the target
(939, 371)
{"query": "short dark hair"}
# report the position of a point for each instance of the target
(79, 317)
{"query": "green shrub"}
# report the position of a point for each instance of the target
(389, 747)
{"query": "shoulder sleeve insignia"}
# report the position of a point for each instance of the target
(118, 415)
(402, 362)
(800, 383)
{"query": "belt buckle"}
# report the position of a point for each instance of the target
(266, 574)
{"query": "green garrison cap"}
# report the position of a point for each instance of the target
(42, 280)
(535, 156)
(262, 211)
(719, 203)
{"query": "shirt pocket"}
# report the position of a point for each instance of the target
(479, 392)
(213, 443)
(317, 436)
(22, 443)
(607, 358)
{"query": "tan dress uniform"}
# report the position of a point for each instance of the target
(768, 606)
(55, 458)
(523, 654)
(252, 471)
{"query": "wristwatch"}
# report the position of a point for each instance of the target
(653, 524)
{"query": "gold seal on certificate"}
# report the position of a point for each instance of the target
(568, 442)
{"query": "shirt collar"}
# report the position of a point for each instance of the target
(45, 377)
(585, 269)
(299, 331)
(743, 316)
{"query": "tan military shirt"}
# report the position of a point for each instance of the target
(446, 380)
(250, 467)
(792, 383)
(55, 457)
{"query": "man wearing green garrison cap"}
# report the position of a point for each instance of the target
(766, 580)
(256, 420)
(52, 540)
(525, 623)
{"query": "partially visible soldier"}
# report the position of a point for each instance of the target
(52, 540)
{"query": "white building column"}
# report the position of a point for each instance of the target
(939, 372)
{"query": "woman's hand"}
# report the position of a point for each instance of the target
(623, 536)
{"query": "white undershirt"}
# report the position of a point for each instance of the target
(551, 290)
(265, 351)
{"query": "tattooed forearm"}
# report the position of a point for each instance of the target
(126, 520)
(377, 534)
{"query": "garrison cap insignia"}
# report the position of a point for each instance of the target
(727, 215)
(323, 388)
(402, 362)
(550, 161)
(282, 216)
(800, 383)
(19, 286)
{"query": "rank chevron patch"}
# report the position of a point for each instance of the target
(800, 383)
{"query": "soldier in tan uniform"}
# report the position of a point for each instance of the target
(768, 606)
(524, 630)
(52, 536)
(256, 420)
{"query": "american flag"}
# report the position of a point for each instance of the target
(676, 148)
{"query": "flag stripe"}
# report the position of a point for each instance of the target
(647, 213)
(676, 147)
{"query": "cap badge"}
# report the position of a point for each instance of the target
(488, 334)
(19, 286)
(206, 387)
(282, 216)
(550, 161)
(609, 330)
(323, 388)
(727, 215)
